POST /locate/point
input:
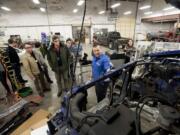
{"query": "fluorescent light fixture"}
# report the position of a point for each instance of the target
(42, 9)
(168, 8)
(115, 5)
(127, 13)
(75, 10)
(148, 13)
(6, 8)
(36, 1)
(80, 2)
(145, 7)
(101, 12)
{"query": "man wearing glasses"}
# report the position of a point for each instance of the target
(33, 63)
(59, 60)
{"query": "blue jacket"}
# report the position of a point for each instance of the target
(100, 66)
(74, 49)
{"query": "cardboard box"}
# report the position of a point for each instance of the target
(39, 119)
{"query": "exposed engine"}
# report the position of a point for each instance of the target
(159, 77)
(145, 90)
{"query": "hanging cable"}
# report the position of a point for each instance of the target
(80, 37)
(49, 28)
(74, 70)
(47, 14)
(136, 16)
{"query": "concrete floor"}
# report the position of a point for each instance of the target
(51, 102)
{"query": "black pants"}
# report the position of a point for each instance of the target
(39, 83)
(4, 83)
(72, 71)
(47, 74)
(17, 69)
(101, 90)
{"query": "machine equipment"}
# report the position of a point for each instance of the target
(121, 115)
(154, 81)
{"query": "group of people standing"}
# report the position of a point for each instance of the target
(60, 57)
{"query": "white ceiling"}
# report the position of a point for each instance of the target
(65, 7)
(59, 6)
(25, 12)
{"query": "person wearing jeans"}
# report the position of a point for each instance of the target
(69, 43)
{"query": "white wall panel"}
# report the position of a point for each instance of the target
(31, 25)
(23, 19)
(24, 32)
(110, 27)
(31, 33)
(54, 19)
(125, 26)
(66, 31)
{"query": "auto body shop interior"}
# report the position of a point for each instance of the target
(89, 67)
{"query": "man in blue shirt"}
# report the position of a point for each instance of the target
(74, 48)
(100, 65)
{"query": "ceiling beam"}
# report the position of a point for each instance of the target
(166, 18)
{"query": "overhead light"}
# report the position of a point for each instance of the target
(168, 8)
(127, 13)
(145, 7)
(80, 2)
(36, 1)
(6, 8)
(75, 10)
(115, 5)
(101, 12)
(42, 9)
(148, 13)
